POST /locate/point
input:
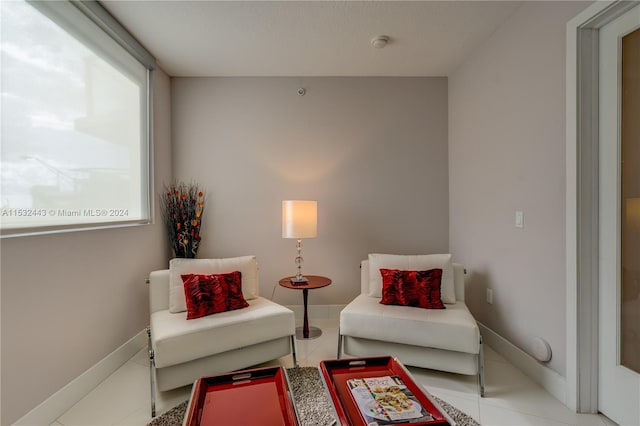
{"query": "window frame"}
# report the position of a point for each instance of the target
(99, 23)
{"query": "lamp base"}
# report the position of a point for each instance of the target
(299, 281)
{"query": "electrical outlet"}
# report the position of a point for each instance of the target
(519, 219)
(490, 296)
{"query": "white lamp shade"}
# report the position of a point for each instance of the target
(299, 219)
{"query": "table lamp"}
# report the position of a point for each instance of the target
(299, 220)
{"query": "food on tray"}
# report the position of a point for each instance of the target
(386, 400)
(392, 398)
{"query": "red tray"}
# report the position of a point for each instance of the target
(336, 374)
(250, 397)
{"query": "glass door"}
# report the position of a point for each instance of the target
(630, 197)
(619, 220)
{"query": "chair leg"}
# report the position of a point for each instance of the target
(294, 350)
(152, 371)
(340, 338)
(481, 369)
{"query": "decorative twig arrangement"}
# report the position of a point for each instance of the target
(182, 206)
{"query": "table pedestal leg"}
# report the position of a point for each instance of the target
(307, 332)
(305, 327)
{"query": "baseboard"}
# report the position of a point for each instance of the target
(551, 381)
(317, 311)
(57, 404)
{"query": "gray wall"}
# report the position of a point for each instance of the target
(69, 300)
(507, 153)
(372, 151)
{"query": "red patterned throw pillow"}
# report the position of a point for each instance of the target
(412, 288)
(209, 294)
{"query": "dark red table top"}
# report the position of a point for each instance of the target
(315, 281)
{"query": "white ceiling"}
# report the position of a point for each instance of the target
(310, 38)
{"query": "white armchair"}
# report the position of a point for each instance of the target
(440, 339)
(181, 350)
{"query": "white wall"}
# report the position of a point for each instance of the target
(69, 300)
(372, 151)
(507, 153)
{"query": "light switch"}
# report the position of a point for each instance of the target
(519, 219)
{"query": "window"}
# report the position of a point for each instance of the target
(75, 120)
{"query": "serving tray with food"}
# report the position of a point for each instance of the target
(379, 391)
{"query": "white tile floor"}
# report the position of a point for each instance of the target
(511, 397)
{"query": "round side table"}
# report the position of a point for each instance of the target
(315, 281)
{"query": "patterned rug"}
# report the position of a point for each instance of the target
(311, 401)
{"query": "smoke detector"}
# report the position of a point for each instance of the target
(380, 41)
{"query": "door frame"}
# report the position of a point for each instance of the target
(582, 156)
